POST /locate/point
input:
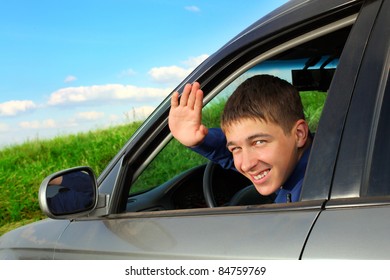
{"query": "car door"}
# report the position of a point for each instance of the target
(272, 231)
(355, 223)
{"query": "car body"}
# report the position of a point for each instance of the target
(340, 47)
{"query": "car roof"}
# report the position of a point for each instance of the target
(315, 6)
(287, 13)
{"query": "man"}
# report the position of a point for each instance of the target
(263, 133)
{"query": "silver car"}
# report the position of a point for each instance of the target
(337, 48)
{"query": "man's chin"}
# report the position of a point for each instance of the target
(265, 190)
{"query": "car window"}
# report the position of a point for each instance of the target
(309, 66)
(175, 158)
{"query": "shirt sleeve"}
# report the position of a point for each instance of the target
(214, 148)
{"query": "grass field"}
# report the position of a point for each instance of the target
(23, 167)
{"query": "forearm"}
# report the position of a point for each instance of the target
(214, 148)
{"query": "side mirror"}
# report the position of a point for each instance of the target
(68, 193)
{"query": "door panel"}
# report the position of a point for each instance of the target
(350, 233)
(263, 233)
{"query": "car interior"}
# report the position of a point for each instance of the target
(309, 66)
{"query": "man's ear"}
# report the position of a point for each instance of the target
(301, 130)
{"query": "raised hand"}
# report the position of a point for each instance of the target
(185, 116)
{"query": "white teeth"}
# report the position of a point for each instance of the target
(261, 175)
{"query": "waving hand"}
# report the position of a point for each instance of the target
(185, 116)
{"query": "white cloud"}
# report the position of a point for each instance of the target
(113, 118)
(139, 113)
(103, 93)
(193, 62)
(13, 107)
(174, 74)
(168, 74)
(90, 116)
(132, 98)
(49, 123)
(192, 9)
(70, 79)
(3, 127)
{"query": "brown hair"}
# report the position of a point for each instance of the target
(266, 98)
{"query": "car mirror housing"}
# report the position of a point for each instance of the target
(69, 193)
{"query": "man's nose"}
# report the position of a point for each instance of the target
(249, 160)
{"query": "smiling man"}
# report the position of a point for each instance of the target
(264, 134)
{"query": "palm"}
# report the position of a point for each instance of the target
(185, 116)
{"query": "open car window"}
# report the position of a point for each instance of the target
(309, 66)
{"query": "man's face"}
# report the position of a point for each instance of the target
(263, 152)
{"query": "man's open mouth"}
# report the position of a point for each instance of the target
(262, 174)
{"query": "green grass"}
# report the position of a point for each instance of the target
(23, 167)
(313, 103)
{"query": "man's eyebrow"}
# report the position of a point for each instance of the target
(230, 143)
(259, 135)
(250, 138)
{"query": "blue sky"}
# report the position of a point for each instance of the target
(75, 65)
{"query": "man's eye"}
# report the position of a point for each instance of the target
(259, 142)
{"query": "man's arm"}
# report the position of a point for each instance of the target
(213, 147)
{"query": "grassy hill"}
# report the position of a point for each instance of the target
(23, 167)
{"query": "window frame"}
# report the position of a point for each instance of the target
(215, 74)
(353, 165)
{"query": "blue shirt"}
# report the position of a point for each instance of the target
(292, 187)
(214, 148)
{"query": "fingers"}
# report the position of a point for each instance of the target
(193, 96)
(185, 95)
(198, 100)
(175, 100)
(190, 96)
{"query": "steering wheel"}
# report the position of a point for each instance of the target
(208, 184)
(246, 196)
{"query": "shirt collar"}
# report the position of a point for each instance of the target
(298, 172)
